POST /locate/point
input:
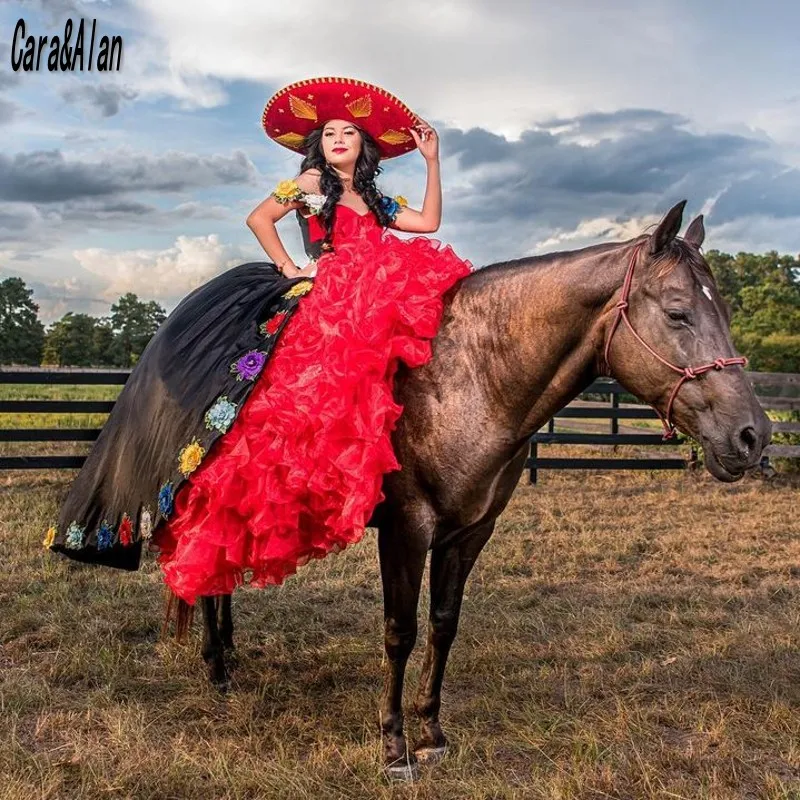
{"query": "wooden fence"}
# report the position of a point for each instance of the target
(776, 392)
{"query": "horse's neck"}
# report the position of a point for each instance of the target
(545, 327)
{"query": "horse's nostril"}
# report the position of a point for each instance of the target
(749, 438)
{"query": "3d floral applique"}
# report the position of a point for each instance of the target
(249, 365)
(314, 202)
(393, 205)
(287, 192)
(270, 327)
(105, 536)
(146, 524)
(49, 537)
(190, 457)
(299, 289)
(74, 537)
(220, 416)
(125, 530)
(166, 499)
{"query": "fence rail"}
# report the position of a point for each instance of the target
(767, 384)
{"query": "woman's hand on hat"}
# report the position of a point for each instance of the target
(426, 139)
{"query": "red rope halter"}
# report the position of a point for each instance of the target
(686, 373)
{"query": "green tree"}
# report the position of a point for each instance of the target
(764, 294)
(21, 331)
(134, 322)
(69, 341)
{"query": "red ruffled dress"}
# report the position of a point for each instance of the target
(299, 473)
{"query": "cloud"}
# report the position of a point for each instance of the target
(47, 176)
(7, 111)
(167, 274)
(104, 100)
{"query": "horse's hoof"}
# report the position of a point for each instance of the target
(430, 755)
(402, 771)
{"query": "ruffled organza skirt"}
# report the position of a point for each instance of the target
(299, 473)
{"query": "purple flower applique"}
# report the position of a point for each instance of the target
(249, 365)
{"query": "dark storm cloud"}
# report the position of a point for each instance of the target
(616, 165)
(773, 195)
(105, 100)
(45, 176)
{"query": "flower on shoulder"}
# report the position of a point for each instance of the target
(190, 457)
(401, 201)
(287, 192)
(314, 202)
(299, 289)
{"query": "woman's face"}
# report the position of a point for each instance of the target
(341, 143)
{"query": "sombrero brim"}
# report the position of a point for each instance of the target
(296, 110)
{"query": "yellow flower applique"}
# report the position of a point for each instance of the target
(287, 192)
(401, 201)
(49, 537)
(190, 457)
(300, 288)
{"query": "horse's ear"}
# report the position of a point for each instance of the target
(696, 232)
(667, 229)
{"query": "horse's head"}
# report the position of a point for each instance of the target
(671, 346)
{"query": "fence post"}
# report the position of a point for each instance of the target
(533, 453)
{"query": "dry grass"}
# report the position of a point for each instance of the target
(624, 636)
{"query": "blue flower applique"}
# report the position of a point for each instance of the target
(105, 535)
(165, 499)
(221, 414)
(74, 538)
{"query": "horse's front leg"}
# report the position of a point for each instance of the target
(402, 556)
(451, 564)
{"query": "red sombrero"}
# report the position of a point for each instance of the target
(293, 112)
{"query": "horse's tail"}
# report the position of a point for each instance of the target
(184, 616)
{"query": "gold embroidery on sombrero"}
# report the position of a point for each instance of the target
(394, 137)
(301, 109)
(362, 107)
(293, 140)
(190, 457)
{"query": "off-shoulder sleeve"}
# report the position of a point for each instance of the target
(393, 205)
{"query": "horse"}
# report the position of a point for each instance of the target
(518, 341)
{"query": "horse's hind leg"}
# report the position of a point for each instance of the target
(450, 567)
(225, 621)
(403, 550)
(213, 652)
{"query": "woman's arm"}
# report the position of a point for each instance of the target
(263, 217)
(430, 217)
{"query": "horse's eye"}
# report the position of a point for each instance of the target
(676, 315)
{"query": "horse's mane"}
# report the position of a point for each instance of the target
(676, 252)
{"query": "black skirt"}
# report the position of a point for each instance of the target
(183, 394)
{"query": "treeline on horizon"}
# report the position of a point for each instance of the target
(762, 290)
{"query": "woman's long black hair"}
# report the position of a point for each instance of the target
(330, 184)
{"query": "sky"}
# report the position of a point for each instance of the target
(561, 124)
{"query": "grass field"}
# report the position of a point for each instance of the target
(624, 636)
